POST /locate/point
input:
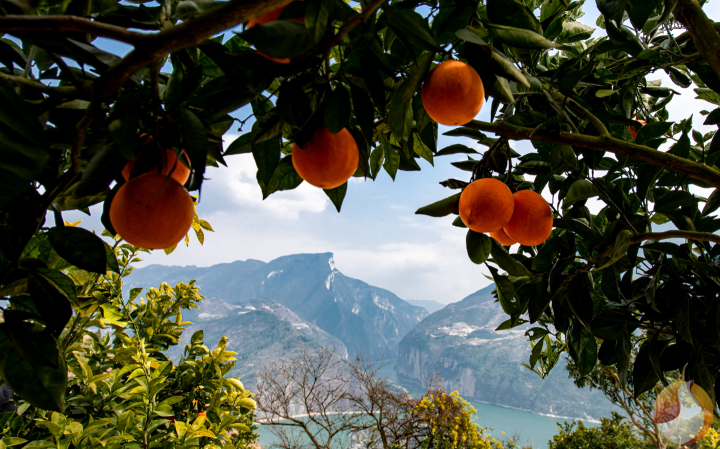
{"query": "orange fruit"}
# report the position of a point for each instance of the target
(170, 162)
(152, 211)
(502, 237)
(486, 205)
(267, 18)
(532, 219)
(328, 160)
(633, 133)
(453, 93)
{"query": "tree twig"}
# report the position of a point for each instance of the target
(641, 153)
(62, 24)
(66, 91)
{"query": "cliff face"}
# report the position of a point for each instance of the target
(360, 315)
(459, 342)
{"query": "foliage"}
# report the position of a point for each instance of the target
(612, 433)
(122, 390)
(72, 114)
(449, 419)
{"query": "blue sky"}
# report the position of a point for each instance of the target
(376, 238)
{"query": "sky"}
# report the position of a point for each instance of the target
(377, 237)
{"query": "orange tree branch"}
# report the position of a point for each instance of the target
(641, 153)
(702, 29)
(690, 235)
(59, 23)
(186, 34)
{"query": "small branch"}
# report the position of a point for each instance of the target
(687, 35)
(641, 153)
(599, 125)
(66, 91)
(62, 24)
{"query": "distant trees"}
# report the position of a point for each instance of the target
(319, 400)
(612, 433)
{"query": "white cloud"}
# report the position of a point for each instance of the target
(239, 180)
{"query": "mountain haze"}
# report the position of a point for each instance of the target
(361, 316)
(430, 306)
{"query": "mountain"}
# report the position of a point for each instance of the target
(261, 331)
(430, 306)
(359, 315)
(460, 343)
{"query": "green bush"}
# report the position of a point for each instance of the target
(612, 433)
(122, 390)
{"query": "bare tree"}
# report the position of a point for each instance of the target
(305, 402)
(322, 401)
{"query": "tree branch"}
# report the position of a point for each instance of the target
(25, 82)
(57, 23)
(641, 153)
(186, 34)
(687, 35)
(690, 235)
(702, 29)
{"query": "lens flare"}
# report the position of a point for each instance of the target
(683, 412)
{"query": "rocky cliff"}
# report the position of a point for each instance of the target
(460, 343)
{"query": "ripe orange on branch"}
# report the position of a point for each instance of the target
(453, 93)
(486, 205)
(328, 160)
(532, 219)
(169, 163)
(152, 211)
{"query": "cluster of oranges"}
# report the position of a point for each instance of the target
(488, 205)
(153, 210)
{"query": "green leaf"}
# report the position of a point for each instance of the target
(682, 318)
(622, 243)
(62, 281)
(50, 301)
(337, 195)
(505, 261)
(337, 113)
(408, 23)
(123, 124)
(196, 145)
(573, 32)
(520, 38)
(562, 158)
(651, 131)
(42, 383)
(281, 38)
(317, 17)
(400, 116)
(453, 15)
(285, 177)
(478, 246)
(713, 203)
(441, 208)
(422, 150)
(579, 190)
(23, 151)
(197, 337)
(509, 299)
(582, 347)
(392, 159)
(241, 145)
(267, 157)
(640, 12)
(455, 149)
(644, 376)
(376, 161)
(80, 247)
